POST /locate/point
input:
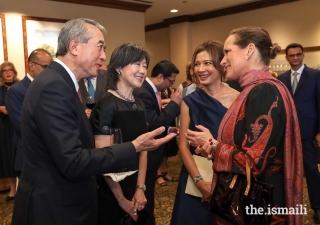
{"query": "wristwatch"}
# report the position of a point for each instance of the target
(143, 187)
(196, 179)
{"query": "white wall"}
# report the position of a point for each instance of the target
(159, 46)
(292, 22)
(122, 25)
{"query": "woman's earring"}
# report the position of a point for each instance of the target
(247, 57)
(120, 72)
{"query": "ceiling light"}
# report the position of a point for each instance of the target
(173, 10)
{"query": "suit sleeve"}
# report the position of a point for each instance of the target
(59, 119)
(13, 105)
(155, 120)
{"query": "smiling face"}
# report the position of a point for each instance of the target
(234, 60)
(205, 70)
(90, 55)
(134, 74)
(7, 74)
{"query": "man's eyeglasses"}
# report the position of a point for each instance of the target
(43, 66)
(9, 70)
(171, 81)
(293, 55)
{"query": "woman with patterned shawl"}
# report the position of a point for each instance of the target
(260, 127)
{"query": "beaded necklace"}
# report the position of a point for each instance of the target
(124, 97)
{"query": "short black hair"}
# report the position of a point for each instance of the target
(293, 45)
(165, 67)
(122, 56)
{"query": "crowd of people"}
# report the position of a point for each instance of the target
(56, 128)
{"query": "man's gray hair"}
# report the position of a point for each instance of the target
(75, 30)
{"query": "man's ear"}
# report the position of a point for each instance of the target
(73, 47)
(30, 66)
(160, 77)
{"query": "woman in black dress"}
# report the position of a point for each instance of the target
(8, 77)
(118, 108)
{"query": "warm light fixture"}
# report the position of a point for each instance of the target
(173, 10)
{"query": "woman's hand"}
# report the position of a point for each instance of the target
(205, 149)
(205, 189)
(139, 199)
(128, 207)
(198, 138)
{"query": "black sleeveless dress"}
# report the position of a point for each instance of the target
(6, 139)
(113, 112)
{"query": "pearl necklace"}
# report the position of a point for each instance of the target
(124, 97)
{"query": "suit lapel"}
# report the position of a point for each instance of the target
(83, 89)
(150, 89)
(287, 80)
(56, 66)
(304, 76)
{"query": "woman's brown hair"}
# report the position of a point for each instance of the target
(215, 50)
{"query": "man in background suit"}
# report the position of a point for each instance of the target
(98, 83)
(163, 75)
(304, 84)
(57, 185)
(38, 60)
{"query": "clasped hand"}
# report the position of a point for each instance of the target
(202, 140)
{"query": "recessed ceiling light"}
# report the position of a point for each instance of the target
(173, 10)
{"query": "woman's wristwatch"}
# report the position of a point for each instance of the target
(196, 179)
(143, 187)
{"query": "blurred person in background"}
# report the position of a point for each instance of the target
(38, 60)
(8, 77)
(304, 85)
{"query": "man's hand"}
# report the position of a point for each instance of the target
(88, 113)
(164, 102)
(176, 96)
(3, 110)
(146, 142)
(318, 139)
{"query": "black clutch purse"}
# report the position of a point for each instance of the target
(235, 196)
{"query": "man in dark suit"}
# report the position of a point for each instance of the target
(38, 60)
(163, 75)
(57, 185)
(98, 84)
(304, 85)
